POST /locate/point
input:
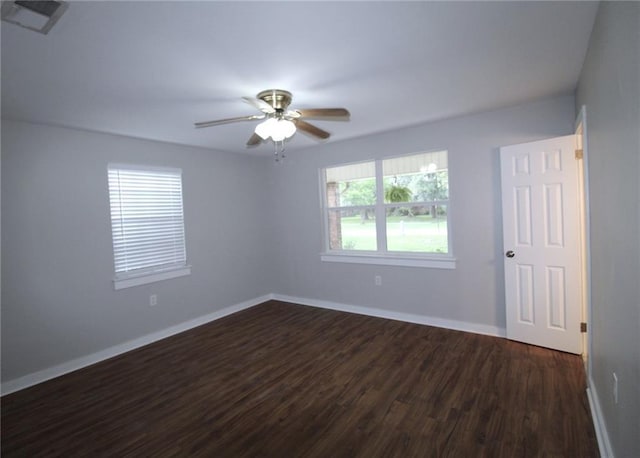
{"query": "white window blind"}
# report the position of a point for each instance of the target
(147, 220)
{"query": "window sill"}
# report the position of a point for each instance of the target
(143, 279)
(433, 263)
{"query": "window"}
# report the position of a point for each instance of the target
(147, 224)
(389, 211)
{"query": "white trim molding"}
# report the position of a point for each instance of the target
(585, 234)
(84, 361)
(433, 262)
(150, 277)
(604, 444)
(466, 326)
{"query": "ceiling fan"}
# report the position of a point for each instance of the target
(280, 123)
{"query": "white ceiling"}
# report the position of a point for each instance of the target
(152, 69)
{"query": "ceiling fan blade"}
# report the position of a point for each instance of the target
(324, 113)
(255, 139)
(227, 121)
(311, 129)
(259, 104)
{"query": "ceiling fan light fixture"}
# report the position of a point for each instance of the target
(263, 130)
(277, 129)
(286, 128)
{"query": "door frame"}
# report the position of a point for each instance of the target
(585, 235)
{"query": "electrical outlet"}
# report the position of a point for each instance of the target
(378, 280)
(615, 388)
(153, 300)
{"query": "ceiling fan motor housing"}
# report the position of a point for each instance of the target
(277, 98)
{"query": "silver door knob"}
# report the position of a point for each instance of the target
(510, 254)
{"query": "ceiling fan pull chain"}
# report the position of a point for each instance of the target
(275, 143)
(279, 154)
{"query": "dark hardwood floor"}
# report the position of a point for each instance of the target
(283, 380)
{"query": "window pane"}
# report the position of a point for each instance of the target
(416, 178)
(351, 185)
(420, 229)
(352, 229)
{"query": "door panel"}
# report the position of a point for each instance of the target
(525, 293)
(556, 305)
(523, 215)
(541, 227)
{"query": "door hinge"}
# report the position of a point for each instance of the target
(583, 327)
(579, 154)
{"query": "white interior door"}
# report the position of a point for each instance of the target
(542, 243)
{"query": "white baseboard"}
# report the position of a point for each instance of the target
(84, 361)
(598, 422)
(399, 316)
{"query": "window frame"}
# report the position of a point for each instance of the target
(382, 256)
(155, 273)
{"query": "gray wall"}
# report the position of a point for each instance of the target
(609, 87)
(58, 302)
(253, 227)
(473, 292)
